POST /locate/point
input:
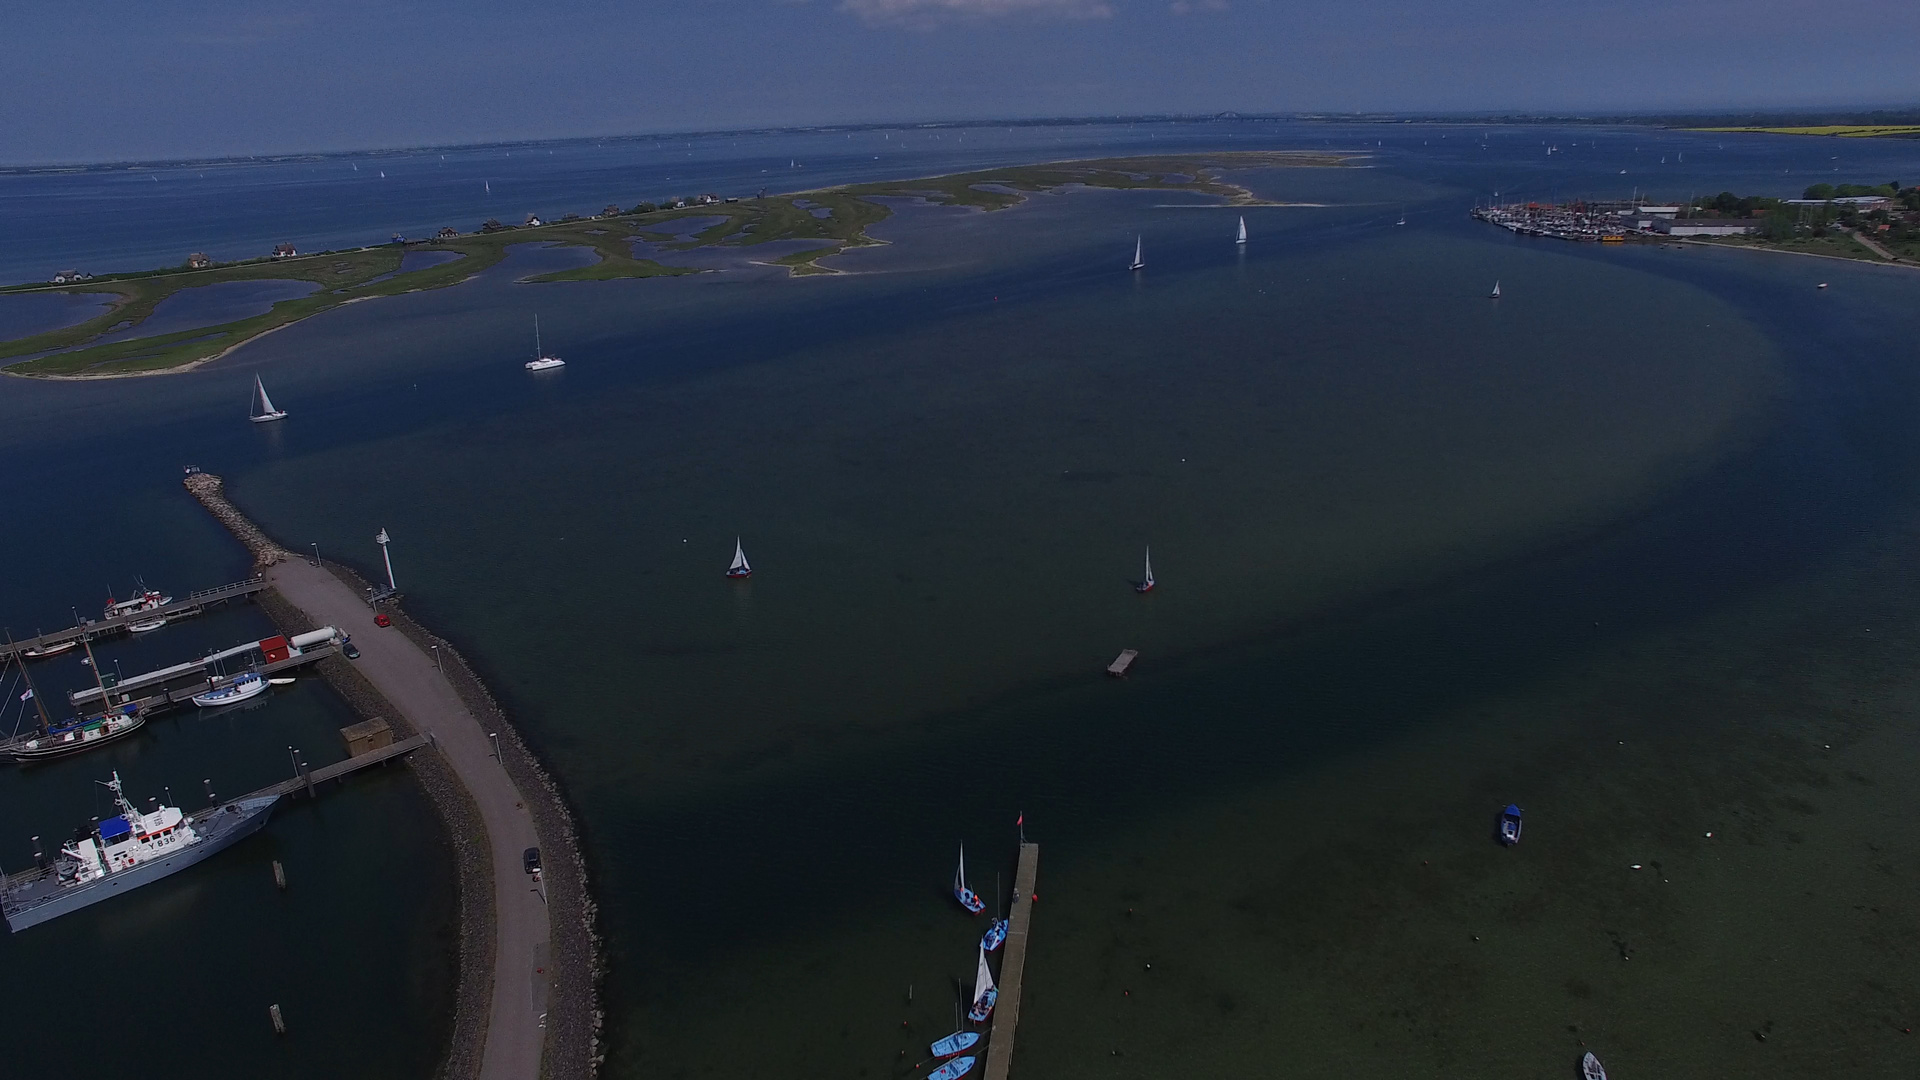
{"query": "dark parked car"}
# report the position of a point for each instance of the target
(531, 860)
(347, 649)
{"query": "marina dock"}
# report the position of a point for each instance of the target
(1006, 1014)
(91, 629)
(276, 654)
(308, 780)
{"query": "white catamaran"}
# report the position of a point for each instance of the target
(262, 410)
(1243, 232)
(541, 361)
(1139, 258)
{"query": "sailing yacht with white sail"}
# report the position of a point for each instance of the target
(1139, 258)
(541, 361)
(967, 897)
(740, 568)
(1495, 294)
(1243, 232)
(261, 410)
(985, 994)
(1146, 583)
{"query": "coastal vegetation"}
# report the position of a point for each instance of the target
(1844, 131)
(836, 217)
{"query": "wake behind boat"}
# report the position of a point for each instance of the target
(968, 899)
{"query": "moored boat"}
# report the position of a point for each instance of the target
(145, 626)
(1591, 1069)
(74, 736)
(146, 600)
(954, 1043)
(237, 689)
(1510, 825)
(996, 935)
(985, 994)
(954, 1069)
(125, 852)
(967, 897)
(54, 649)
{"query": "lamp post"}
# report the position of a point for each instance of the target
(383, 541)
(316, 553)
(436, 659)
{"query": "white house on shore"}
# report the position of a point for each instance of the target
(1704, 227)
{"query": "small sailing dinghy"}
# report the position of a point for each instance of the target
(1495, 294)
(985, 994)
(541, 361)
(954, 1069)
(1591, 1069)
(1243, 232)
(968, 899)
(996, 935)
(1139, 256)
(262, 410)
(1510, 825)
(238, 689)
(1403, 218)
(954, 1043)
(739, 569)
(1146, 583)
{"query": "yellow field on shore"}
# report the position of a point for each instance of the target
(1845, 131)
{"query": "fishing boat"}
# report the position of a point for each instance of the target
(1510, 825)
(996, 935)
(237, 689)
(1146, 583)
(541, 361)
(954, 1043)
(1242, 238)
(740, 567)
(1495, 294)
(124, 852)
(985, 994)
(145, 600)
(954, 1069)
(1591, 1069)
(968, 899)
(59, 740)
(1139, 257)
(261, 410)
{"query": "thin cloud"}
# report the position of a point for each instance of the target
(924, 13)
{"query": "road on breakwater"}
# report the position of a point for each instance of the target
(412, 681)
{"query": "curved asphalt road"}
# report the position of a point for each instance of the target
(407, 676)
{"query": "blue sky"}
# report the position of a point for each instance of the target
(117, 80)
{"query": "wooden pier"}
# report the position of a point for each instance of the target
(308, 780)
(1006, 1014)
(90, 629)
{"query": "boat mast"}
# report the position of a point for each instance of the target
(97, 680)
(41, 706)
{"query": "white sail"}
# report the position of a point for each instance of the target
(982, 980)
(1496, 291)
(1139, 258)
(960, 875)
(740, 559)
(261, 409)
(266, 403)
(1148, 581)
(1243, 232)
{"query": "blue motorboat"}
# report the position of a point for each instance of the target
(1510, 825)
(954, 1043)
(954, 1069)
(996, 935)
(967, 897)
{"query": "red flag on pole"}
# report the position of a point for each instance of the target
(1022, 819)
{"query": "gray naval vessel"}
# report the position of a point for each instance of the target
(124, 852)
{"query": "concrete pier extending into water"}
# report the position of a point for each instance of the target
(1006, 1015)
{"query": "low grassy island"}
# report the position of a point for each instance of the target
(837, 217)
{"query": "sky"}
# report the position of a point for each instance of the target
(117, 80)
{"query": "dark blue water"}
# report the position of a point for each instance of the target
(1609, 547)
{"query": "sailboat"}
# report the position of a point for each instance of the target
(261, 410)
(1139, 259)
(1403, 218)
(541, 361)
(968, 899)
(1495, 294)
(740, 568)
(1243, 232)
(985, 994)
(1146, 583)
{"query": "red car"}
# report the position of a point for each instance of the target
(382, 620)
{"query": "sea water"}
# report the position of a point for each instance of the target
(1626, 546)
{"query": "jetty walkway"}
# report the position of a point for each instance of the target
(1006, 1013)
(414, 684)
